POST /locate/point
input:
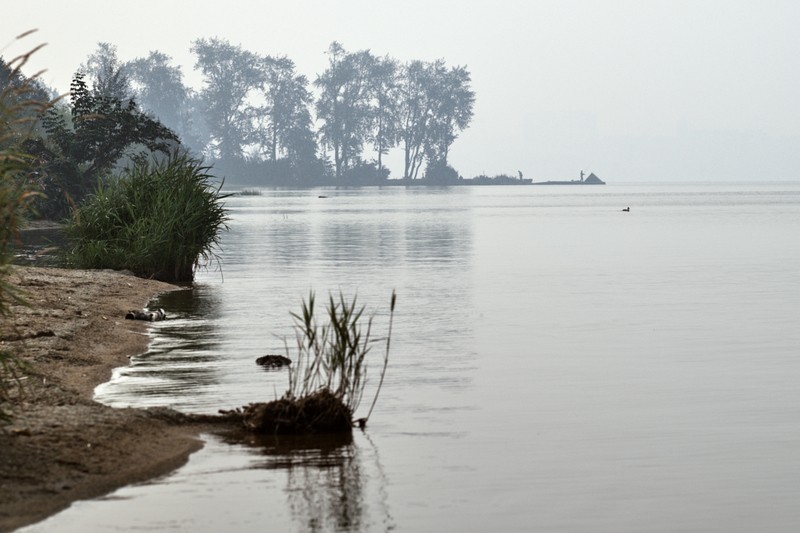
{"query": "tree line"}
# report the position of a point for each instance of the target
(255, 117)
(257, 112)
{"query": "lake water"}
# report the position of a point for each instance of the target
(556, 364)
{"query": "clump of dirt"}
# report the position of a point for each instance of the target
(319, 412)
(273, 361)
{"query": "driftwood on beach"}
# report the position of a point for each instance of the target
(146, 314)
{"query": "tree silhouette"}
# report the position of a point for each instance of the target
(344, 106)
(385, 95)
(159, 90)
(435, 103)
(92, 133)
(452, 103)
(231, 75)
(108, 77)
(285, 119)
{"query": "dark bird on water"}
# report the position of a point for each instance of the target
(627, 209)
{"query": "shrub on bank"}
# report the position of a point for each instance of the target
(160, 220)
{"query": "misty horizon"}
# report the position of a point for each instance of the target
(664, 91)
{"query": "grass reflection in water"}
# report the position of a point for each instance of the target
(326, 485)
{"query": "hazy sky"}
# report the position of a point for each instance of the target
(631, 90)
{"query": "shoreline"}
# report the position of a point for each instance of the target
(60, 446)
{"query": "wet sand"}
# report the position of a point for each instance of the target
(60, 446)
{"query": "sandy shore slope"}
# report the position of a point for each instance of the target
(61, 446)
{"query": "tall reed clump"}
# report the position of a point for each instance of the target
(15, 201)
(328, 376)
(161, 220)
(17, 116)
(332, 356)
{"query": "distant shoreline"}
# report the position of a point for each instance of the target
(480, 181)
(468, 182)
(573, 182)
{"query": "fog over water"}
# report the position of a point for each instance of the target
(557, 364)
(676, 90)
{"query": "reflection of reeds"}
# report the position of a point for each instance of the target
(332, 483)
(331, 497)
(325, 481)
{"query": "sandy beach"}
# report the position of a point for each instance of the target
(60, 446)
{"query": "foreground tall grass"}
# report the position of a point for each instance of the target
(160, 220)
(15, 202)
(18, 114)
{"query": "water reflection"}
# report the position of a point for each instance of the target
(197, 301)
(326, 481)
(353, 240)
(287, 241)
(274, 236)
(183, 359)
(429, 241)
(555, 367)
(40, 247)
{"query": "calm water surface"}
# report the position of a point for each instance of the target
(556, 365)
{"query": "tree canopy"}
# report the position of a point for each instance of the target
(231, 76)
(159, 90)
(86, 137)
(257, 117)
(95, 130)
(107, 76)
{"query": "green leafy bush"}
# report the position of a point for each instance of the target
(160, 220)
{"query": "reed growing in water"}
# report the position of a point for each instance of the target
(328, 376)
(160, 220)
(332, 356)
